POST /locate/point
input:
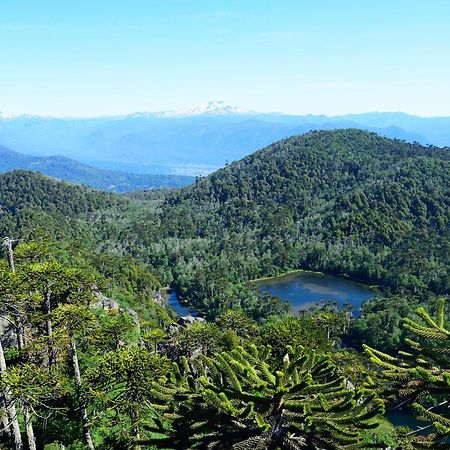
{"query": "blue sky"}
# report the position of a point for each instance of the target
(96, 57)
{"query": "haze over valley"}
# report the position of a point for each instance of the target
(194, 141)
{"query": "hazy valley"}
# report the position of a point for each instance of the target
(195, 141)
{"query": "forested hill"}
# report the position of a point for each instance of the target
(35, 206)
(23, 189)
(76, 172)
(327, 168)
(345, 201)
(81, 226)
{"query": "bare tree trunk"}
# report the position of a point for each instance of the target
(82, 403)
(10, 405)
(24, 336)
(9, 401)
(6, 429)
(48, 310)
(18, 445)
(7, 243)
(29, 428)
(20, 336)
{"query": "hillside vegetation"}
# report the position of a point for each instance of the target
(76, 172)
(82, 228)
(345, 201)
(81, 370)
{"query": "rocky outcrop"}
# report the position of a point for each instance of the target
(184, 322)
(187, 321)
(109, 304)
(8, 333)
(106, 303)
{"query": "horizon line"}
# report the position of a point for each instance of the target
(172, 114)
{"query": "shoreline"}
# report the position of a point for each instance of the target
(289, 272)
(166, 291)
(374, 287)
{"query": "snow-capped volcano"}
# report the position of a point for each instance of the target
(214, 108)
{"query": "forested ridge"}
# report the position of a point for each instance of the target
(346, 201)
(77, 172)
(74, 221)
(251, 375)
(21, 189)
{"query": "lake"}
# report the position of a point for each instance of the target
(180, 310)
(407, 420)
(304, 289)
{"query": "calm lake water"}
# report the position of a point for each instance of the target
(304, 289)
(180, 310)
(406, 420)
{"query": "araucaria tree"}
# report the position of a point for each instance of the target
(245, 399)
(423, 371)
(77, 321)
(122, 382)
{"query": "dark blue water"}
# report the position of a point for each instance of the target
(180, 310)
(406, 420)
(305, 289)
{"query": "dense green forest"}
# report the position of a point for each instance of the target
(79, 374)
(346, 202)
(81, 371)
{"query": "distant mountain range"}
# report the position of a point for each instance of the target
(70, 170)
(193, 141)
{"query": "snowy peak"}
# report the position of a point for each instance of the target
(215, 108)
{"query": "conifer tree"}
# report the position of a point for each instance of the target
(421, 371)
(56, 285)
(115, 328)
(122, 382)
(238, 322)
(26, 385)
(33, 388)
(77, 321)
(242, 399)
(11, 417)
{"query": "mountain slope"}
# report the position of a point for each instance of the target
(33, 205)
(327, 166)
(76, 172)
(344, 201)
(193, 141)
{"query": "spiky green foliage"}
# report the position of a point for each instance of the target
(34, 387)
(238, 322)
(422, 371)
(244, 399)
(122, 381)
